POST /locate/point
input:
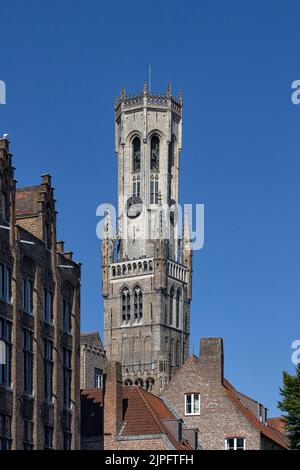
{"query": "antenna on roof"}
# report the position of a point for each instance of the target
(149, 81)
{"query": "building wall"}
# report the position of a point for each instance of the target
(91, 356)
(219, 417)
(136, 444)
(38, 261)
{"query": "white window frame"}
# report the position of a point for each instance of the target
(193, 413)
(98, 377)
(234, 443)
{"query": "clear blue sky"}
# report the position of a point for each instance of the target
(63, 63)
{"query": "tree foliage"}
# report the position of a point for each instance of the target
(290, 405)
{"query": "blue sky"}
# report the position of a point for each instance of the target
(63, 63)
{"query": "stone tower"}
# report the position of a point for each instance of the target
(146, 271)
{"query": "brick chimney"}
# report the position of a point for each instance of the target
(113, 402)
(212, 357)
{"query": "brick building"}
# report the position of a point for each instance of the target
(92, 361)
(227, 419)
(130, 418)
(39, 320)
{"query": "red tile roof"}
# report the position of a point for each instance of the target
(267, 431)
(277, 423)
(144, 415)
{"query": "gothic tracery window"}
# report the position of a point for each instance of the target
(178, 300)
(154, 190)
(136, 154)
(125, 306)
(171, 305)
(154, 163)
(138, 304)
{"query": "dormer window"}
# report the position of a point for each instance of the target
(136, 154)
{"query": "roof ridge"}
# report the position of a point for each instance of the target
(264, 429)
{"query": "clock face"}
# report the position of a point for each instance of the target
(134, 207)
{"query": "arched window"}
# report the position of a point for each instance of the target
(178, 301)
(149, 384)
(139, 382)
(125, 306)
(138, 304)
(172, 293)
(154, 162)
(136, 154)
(154, 190)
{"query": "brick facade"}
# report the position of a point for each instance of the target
(224, 412)
(92, 357)
(31, 254)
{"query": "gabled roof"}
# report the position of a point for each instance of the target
(267, 431)
(144, 415)
(91, 339)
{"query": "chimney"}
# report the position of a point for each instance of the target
(212, 357)
(113, 402)
(60, 246)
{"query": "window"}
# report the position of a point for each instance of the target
(48, 437)
(48, 370)
(192, 404)
(67, 440)
(5, 336)
(235, 443)
(28, 435)
(5, 432)
(178, 302)
(125, 306)
(136, 154)
(171, 304)
(48, 306)
(4, 207)
(5, 283)
(28, 360)
(98, 378)
(263, 414)
(67, 316)
(67, 378)
(154, 163)
(27, 295)
(154, 192)
(138, 305)
(136, 188)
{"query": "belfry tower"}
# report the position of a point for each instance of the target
(146, 270)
